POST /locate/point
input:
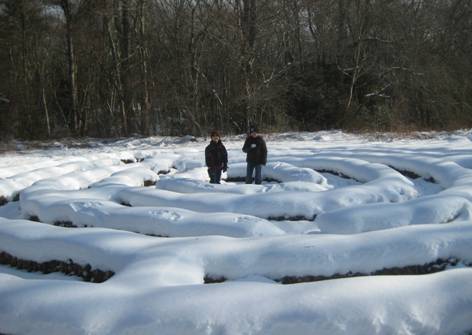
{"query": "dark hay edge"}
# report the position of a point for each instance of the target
(148, 183)
(243, 180)
(428, 268)
(413, 175)
(86, 272)
(292, 218)
(339, 174)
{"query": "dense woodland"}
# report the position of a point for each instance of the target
(109, 68)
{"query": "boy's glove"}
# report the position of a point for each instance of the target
(253, 146)
(225, 168)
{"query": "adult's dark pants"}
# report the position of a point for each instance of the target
(215, 176)
(251, 167)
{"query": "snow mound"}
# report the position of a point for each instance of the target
(347, 233)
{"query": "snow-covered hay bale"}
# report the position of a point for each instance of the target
(279, 171)
(375, 232)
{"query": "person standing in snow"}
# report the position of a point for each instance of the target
(216, 158)
(256, 150)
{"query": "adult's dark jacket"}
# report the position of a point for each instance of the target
(216, 156)
(256, 150)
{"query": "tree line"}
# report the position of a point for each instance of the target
(109, 68)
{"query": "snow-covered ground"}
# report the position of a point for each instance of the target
(348, 234)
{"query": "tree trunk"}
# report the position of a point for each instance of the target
(247, 24)
(46, 113)
(71, 68)
(117, 81)
(146, 109)
(125, 72)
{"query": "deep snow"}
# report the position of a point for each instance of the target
(336, 205)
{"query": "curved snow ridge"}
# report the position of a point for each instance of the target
(328, 255)
(289, 204)
(156, 221)
(264, 205)
(69, 267)
(360, 305)
(11, 186)
(34, 164)
(158, 159)
(401, 304)
(361, 170)
(132, 176)
(462, 176)
(102, 248)
(388, 184)
(451, 204)
(446, 173)
(420, 165)
(48, 201)
(192, 159)
(103, 177)
(131, 255)
(188, 185)
(69, 182)
(199, 173)
(159, 163)
(279, 171)
(41, 202)
(464, 160)
(434, 209)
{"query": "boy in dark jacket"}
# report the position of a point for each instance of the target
(256, 150)
(216, 158)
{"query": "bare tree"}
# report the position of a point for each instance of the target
(113, 68)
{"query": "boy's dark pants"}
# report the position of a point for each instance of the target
(250, 170)
(215, 175)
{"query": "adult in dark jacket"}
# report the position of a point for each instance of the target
(256, 150)
(216, 158)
